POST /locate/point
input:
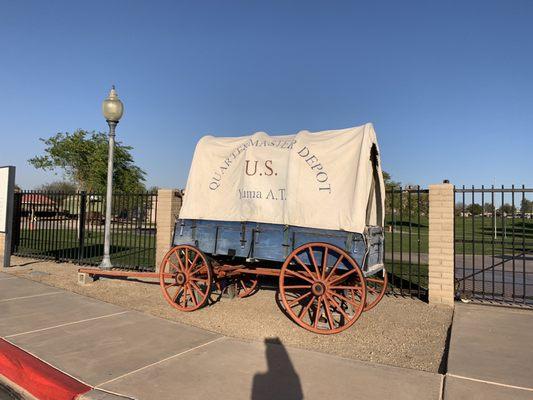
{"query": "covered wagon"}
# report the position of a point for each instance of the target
(306, 208)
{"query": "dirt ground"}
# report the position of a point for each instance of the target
(400, 331)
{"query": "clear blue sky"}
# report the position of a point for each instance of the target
(448, 84)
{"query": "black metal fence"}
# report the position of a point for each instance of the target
(406, 240)
(494, 244)
(70, 227)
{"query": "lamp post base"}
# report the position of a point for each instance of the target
(106, 263)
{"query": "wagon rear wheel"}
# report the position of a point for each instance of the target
(376, 287)
(186, 278)
(322, 288)
(246, 285)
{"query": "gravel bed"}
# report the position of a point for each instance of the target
(403, 332)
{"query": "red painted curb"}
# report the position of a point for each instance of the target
(36, 377)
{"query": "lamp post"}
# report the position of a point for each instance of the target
(112, 108)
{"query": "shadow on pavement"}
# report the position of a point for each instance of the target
(280, 381)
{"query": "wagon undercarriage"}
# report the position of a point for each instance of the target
(321, 287)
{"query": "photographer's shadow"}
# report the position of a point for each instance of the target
(280, 381)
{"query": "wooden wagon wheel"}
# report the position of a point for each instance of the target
(246, 285)
(186, 278)
(376, 288)
(314, 281)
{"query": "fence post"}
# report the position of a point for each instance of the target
(168, 207)
(82, 198)
(441, 244)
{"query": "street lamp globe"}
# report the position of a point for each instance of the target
(112, 107)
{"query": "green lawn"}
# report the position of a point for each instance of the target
(502, 238)
(129, 248)
(477, 228)
(406, 235)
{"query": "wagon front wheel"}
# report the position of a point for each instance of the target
(186, 278)
(322, 288)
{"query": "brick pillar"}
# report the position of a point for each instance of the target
(168, 207)
(7, 194)
(2, 248)
(441, 244)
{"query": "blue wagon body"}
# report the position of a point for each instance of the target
(250, 241)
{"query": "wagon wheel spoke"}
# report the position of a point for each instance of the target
(328, 313)
(194, 279)
(338, 306)
(197, 288)
(174, 265)
(325, 263)
(193, 295)
(184, 297)
(312, 256)
(186, 260)
(317, 315)
(305, 309)
(352, 292)
(344, 287)
(193, 263)
(246, 285)
(171, 285)
(297, 286)
(342, 277)
(197, 270)
(334, 267)
(182, 268)
(298, 299)
(303, 265)
(294, 273)
(377, 288)
(177, 294)
(346, 299)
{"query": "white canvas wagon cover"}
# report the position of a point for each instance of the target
(327, 180)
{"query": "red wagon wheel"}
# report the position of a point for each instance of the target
(186, 278)
(376, 288)
(246, 285)
(322, 288)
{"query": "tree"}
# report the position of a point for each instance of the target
(488, 208)
(526, 206)
(389, 183)
(59, 186)
(474, 209)
(82, 156)
(507, 209)
(407, 204)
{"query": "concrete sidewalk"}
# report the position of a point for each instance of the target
(145, 357)
(491, 353)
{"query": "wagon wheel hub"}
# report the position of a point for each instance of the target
(181, 278)
(318, 288)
